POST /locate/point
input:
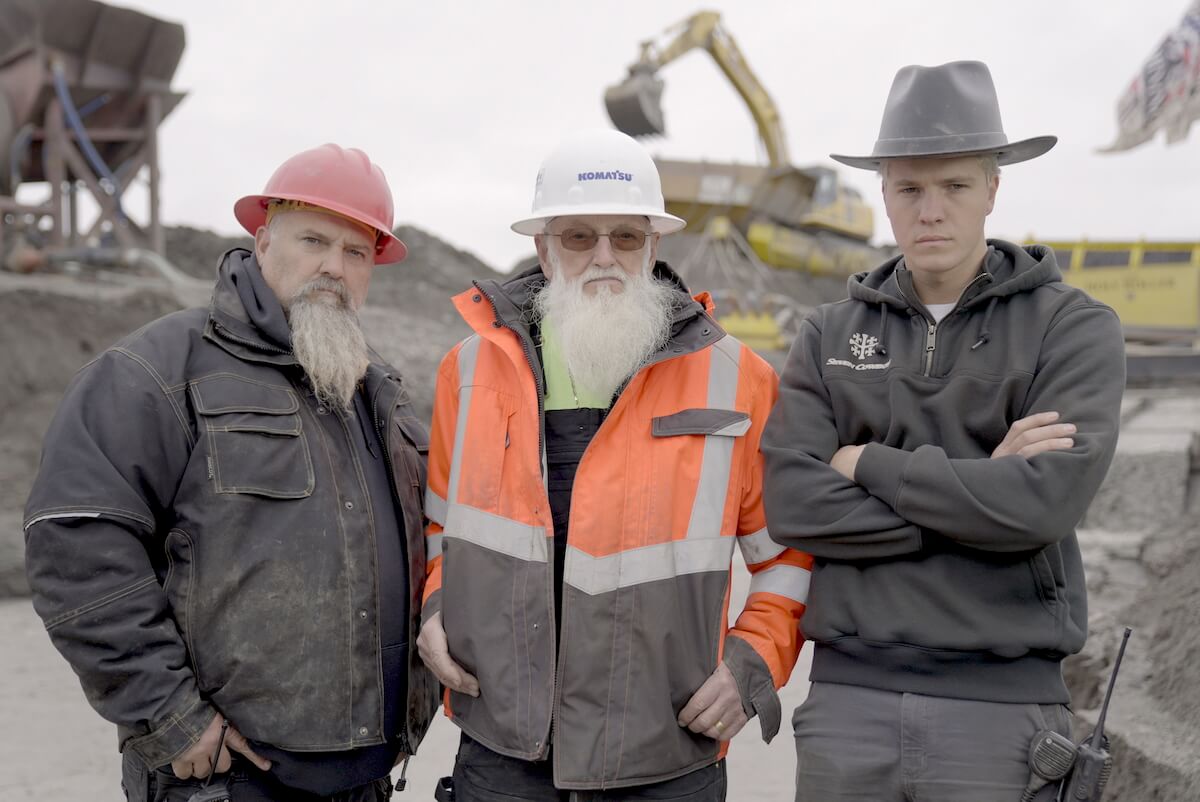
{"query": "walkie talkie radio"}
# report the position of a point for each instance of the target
(218, 791)
(1093, 763)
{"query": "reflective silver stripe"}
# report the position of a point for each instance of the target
(709, 506)
(495, 533)
(435, 507)
(594, 575)
(734, 429)
(783, 580)
(433, 547)
(467, 355)
(757, 547)
(50, 516)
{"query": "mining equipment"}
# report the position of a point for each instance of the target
(84, 87)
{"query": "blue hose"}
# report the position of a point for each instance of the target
(85, 142)
(16, 151)
(92, 105)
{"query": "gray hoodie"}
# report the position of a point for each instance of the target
(939, 570)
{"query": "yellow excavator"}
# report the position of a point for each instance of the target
(753, 217)
(792, 217)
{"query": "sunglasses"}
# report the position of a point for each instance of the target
(621, 238)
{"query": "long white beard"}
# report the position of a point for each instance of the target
(607, 336)
(328, 342)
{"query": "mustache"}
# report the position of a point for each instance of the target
(323, 283)
(594, 272)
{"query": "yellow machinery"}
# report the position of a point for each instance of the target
(798, 218)
(1153, 286)
(749, 306)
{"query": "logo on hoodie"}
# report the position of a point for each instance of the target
(863, 346)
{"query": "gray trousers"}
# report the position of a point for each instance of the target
(867, 745)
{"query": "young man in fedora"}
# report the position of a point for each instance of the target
(937, 438)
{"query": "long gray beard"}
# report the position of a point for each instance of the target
(607, 336)
(328, 342)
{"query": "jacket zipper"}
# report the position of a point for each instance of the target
(405, 744)
(930, 346)
(346, 430)
(500, 323)
(931, 326)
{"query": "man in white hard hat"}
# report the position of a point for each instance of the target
(225, 536)
(937, 439)
(594, 461)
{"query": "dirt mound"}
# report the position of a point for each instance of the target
(423, 284)
(803, 288)
(1173, 604)
(409, 317)
(1147, 579)
(196, 251)
(51, 326)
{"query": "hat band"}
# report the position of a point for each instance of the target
(932, 145)
(277, 205)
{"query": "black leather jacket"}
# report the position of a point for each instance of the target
(195, 541)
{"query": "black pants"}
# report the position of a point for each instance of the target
(481, 775)
(245, 784)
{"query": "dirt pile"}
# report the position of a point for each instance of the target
(803, 288)
(409, 317)
(50, 326)
(1144, 572)
(196, 251)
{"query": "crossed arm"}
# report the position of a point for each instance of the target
(873, 501)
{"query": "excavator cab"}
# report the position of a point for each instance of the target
(635, 104)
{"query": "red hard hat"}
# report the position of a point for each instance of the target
(342, 180)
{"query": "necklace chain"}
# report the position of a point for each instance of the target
(574, 392)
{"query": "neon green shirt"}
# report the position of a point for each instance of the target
(559, 391)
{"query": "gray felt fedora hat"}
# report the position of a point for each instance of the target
(949, 110)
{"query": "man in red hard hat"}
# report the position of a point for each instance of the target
(222, 534)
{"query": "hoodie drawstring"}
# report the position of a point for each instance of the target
(880, 348)
(984, 334)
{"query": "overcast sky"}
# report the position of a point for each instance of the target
(459, 102)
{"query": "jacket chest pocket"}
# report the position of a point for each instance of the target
(695, 448)
(256, 442)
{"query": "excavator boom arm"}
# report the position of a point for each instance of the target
(635, 107)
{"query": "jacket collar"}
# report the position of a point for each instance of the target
(232, 326)
(1007, 269)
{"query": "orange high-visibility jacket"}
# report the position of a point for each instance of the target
(671, 482)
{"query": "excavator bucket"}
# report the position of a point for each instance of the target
(635, 104)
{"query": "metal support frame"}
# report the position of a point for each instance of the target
(67, 172)
(84, 87)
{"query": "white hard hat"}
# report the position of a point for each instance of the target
(601, 171)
